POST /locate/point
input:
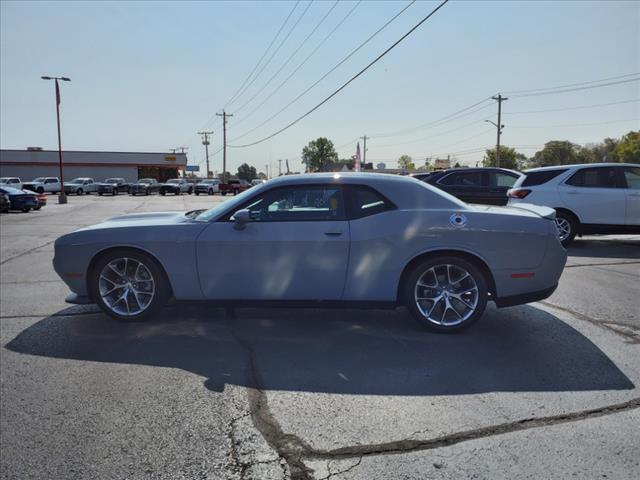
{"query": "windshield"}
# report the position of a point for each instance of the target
(77, 180)
(146, 180)
(224, 206)
(111, 180)
(4, 180)
(209, 182)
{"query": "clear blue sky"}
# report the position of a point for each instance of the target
(147, 76)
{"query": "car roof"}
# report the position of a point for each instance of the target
(581, 165)
(478, 169)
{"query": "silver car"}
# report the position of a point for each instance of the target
(368, 239)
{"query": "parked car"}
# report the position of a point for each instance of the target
(43, 185)
(145, 186)
(19, 199)
(13, 182)
(234, 187)
(487, 186)
(80, 186)
(177, 186)
(209, 186)
(5, 203)
(589, 198)
(374, 239)
(421, 176)
(41, 197)
(257, 181)
(113, 186)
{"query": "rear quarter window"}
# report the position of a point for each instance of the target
(539, 178)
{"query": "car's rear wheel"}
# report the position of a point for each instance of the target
(446, 294)
(129, 285)
(567, 226)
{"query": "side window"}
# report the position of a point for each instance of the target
(298, 204)
(463, 179)
(502, 180)
(632, 177)
(366, 201)
(604, 177)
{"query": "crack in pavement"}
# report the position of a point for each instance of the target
(294, 450)
(629, 333)
(600, 264)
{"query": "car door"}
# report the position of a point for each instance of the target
(295, 247)
(499, 183)
(631, 177)
(594, 194)
(470, 187)
(51, 185)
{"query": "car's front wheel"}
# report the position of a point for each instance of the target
(79, 191)
(446, 294)
(567, 227)
(129, 285)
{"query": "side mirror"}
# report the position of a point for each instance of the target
(240, 219)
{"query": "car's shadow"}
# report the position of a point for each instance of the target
(604, 247)
(337, 351)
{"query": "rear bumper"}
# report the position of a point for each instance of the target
(525, 297)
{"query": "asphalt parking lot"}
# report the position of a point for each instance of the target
(545, 390)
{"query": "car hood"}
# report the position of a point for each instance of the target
(142, 220)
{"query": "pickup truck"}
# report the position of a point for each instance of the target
(144, 186)
(177, 186)
(234, 187)
(13, 182)
(113, 186)
(80, 186)
(43, 184)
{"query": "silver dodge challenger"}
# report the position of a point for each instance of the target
(365, 239)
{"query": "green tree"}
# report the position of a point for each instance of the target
(628, 149)
(508, 158)
(606, 150)
(558, 152)
(406, 162)
(319, 155)
(247, 172)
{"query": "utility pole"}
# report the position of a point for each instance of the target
(279, 167)
(205, 142)
(364, 149)
(224, 116)
(266, 171)
(499, 126)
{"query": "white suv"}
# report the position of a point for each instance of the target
(588, 198)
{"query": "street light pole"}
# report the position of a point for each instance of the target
(499, 126)
(62, 198)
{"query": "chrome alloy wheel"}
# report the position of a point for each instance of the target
(446, 295)
(126, 286)
(564, 228)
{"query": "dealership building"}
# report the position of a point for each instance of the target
(35, 162)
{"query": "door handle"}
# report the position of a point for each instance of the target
(333, 234)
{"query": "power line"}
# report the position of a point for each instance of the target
(284, 82)
(574, 108)
(577, 124)
(293, 27)
(327, 74)
(326, 15)
(234, 96)
(514, 92)
(575, 89)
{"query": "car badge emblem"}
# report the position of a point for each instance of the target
(458, 220)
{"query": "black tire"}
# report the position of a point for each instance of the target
(26, 209)
(236, 192)
(38, 207)
(210, 192)
(197, 193)
(162, 192)
(79, 191)
(146, 192)
(409, 289)
(162, 288)
(566, 219)
(224, 193)
(114, 192)
(190, 191)
(40, 190)
(99, 194)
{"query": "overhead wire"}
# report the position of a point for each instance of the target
(328, 73)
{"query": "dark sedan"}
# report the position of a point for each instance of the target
(20, 200)
(145, 186)
(113, 186)
(475, 185)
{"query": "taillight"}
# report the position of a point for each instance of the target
(518, 193)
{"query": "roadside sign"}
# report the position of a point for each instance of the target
(193, 168)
